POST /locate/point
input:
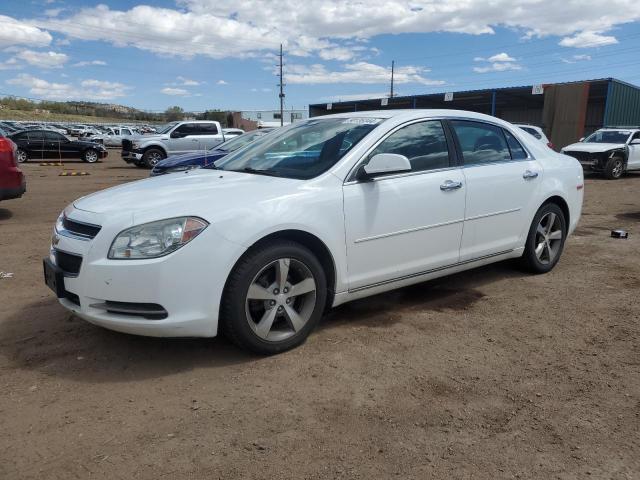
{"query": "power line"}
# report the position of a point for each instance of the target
(281, 85)
(393, 63)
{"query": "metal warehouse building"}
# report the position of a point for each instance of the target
(566, 111)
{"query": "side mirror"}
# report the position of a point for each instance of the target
(635, 141)
(581, 139)
(175, 134)
(384, 164)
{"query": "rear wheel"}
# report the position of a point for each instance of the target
(90, 156)
(546, 238)
(274, 298)
(152, 156)
(614, 168)
(21, 156)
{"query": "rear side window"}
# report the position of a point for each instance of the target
(423, 143)
(517, 151)
(533, 132)
(481, 142)
(205, 129)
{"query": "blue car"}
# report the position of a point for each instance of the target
(202, 158)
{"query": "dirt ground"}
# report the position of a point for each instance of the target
(487, 374)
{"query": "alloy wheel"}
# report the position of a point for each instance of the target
(21, 156)
(280, 299)
(548, 238)
(91, 156)
(154, 158)
(617, 169)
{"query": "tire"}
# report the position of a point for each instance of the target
(543, 247)
(140, 165)
(275, 319)
(90, 155)
(22, 156)
(152, 156)
(614, 168)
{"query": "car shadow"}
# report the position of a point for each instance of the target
(45, 337)
(5, 214)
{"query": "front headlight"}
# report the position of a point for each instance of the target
(155, 239)
(135, 145)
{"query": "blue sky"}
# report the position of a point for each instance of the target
(204, 54)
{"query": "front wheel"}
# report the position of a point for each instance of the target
(614, 168)
(546, 238)
(90, 156)
(274, 298)
(152, 156)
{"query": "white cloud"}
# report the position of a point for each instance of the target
(15, 32)
(222, 82)
(86, 90)
(228, 28)
(500, 62)
(577, 58)
(187, 82)
(42, 59)
(90, 62)
(53, 12)
(588, 39)
(181, 92)
(359, 72)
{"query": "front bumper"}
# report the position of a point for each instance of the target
(132, 156)
(187, 284)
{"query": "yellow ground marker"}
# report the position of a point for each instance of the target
(51, 164)
(73, 174)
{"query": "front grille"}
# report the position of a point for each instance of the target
(127, 145)
(150, 311)
(582, 156)
(81, 229)
(68, 262)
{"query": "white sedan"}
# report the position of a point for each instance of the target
(320, 213)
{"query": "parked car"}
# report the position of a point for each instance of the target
(12, 181)
(188, 161)
(537, 132)
(41, 144)
(609, 151)
(229, 133)
(322, 212)
(176, 137)
(113, 136)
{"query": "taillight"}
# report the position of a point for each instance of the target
(8, 150)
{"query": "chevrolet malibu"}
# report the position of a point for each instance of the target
(320, 213)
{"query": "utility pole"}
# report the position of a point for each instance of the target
(281, 85)
(393, 63)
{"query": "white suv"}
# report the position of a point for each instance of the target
(313, 215)
(609, 151)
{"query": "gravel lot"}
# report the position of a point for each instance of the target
(487, 374)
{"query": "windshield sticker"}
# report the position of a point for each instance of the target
(363, 121)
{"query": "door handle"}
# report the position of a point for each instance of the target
(450, 185)
(529, 175)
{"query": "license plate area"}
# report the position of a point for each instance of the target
(54, 277)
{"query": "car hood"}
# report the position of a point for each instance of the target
(592, 147)
(153, 137)
(191, 158)
(198, 192)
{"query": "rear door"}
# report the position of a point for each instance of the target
(403, 225)
(502, 181)
(35, 143)
(208, 135)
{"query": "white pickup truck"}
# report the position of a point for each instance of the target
(173, 138)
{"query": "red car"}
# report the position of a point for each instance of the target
(12, 181)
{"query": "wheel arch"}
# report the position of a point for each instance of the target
(560, 202)
(308, 240)
(157, 147)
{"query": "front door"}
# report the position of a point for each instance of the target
(502, 181)
(633, 162)
(185, 139)
(406, 224)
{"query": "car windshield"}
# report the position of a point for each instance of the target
(608, 136)
(166, 128)
(239, 141)
(303, 150)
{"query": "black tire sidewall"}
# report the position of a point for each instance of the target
(531, 260)
(233, 316)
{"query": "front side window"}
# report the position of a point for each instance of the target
(53, 137)
(481, 142)
(423, 143)
(608, 136)
(303, 150)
